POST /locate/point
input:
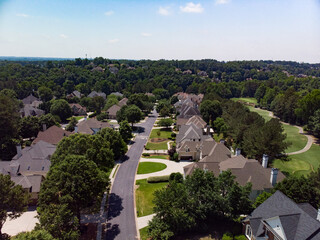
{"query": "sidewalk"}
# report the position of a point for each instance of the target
(144, 221)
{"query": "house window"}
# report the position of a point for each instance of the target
(248, 232)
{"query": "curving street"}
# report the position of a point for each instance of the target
(121, 218)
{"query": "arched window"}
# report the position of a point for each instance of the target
(248, 231)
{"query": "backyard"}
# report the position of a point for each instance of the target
(144, 196)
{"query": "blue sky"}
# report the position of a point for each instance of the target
(217, 29)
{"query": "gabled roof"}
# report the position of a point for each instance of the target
(30, 99)
(52, 135)
(296, 223)
(187, 111)
(113, 110)
(97, 94)
(182, 121)
(205, 146)
(76, 94)
(118, 94)
(92, 125)
(34, 159)
(123, 102)
(187, 132)
(197, 120)
(27, 182)
(28, 110)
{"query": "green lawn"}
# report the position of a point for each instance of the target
(263, 113)
(298, 141)
(158, 156)
(248, 100)
(164, 133)
(77, 117)
(144, 196)
(300, 164)
(157, 146)
(150, 167)
(144, 233)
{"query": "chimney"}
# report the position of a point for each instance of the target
(222, 141)
(76, 129)
(85, 118)
(265, 159)
(318, 215)
(238, 151)
(44, 127)
(273, 177)
(19, 154)
(208, 129)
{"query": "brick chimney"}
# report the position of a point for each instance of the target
(265, 159)
(273, 176)
(44, 127)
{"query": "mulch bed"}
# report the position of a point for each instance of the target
(88, 231)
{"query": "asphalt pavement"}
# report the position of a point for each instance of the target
(121, 220)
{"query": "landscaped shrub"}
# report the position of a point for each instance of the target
(28, 143)
(240, 237)
(158, 179)
(227, 236)
(173, 135)
(102, 116)
(176, 157)
(177, 177)
(145, 154)
(158, 133)
(92, 115)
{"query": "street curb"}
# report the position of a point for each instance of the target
(134, 190)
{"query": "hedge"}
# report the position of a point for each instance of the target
(158, 179)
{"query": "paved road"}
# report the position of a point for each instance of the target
(121, 220)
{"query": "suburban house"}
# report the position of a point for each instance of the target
(190, 150)
(30, 99)
(77, 109)
(188, 111)
(29, 166)
(97, 94)
(118, 94)
(91, 126)
(112, 111)
(74, 94)
(245, 170)
(281, 218)
(30, 107)
(191, 133)
(52, 135)
(28, 110)
(123, 102)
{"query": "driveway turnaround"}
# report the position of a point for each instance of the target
(172, 167)
(121, 218)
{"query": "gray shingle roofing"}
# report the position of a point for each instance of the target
(89, 126)
(190, 132)
(30, 99)
(297, 224)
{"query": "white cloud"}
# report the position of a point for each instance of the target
(164, 11)
(114, 40)
(146, 34)
(63, 36)
(109, 13)
(219, 2)
(22, 15)
(192, 8)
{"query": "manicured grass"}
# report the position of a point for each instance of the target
(158, 156)
(144, 196)
(298, 141)
(248, 100)
(263, 113)
(150, 167)
(77, 117)
(144, 233)
(157, 146)
(301, 164)
(164, 133)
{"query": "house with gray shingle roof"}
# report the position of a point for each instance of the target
(30, 99)
(97, 94)
(191, 133)
(245, 170)
(91, 126)
(112, 111)
(28, 110)
(51, 135)
(281, 218)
